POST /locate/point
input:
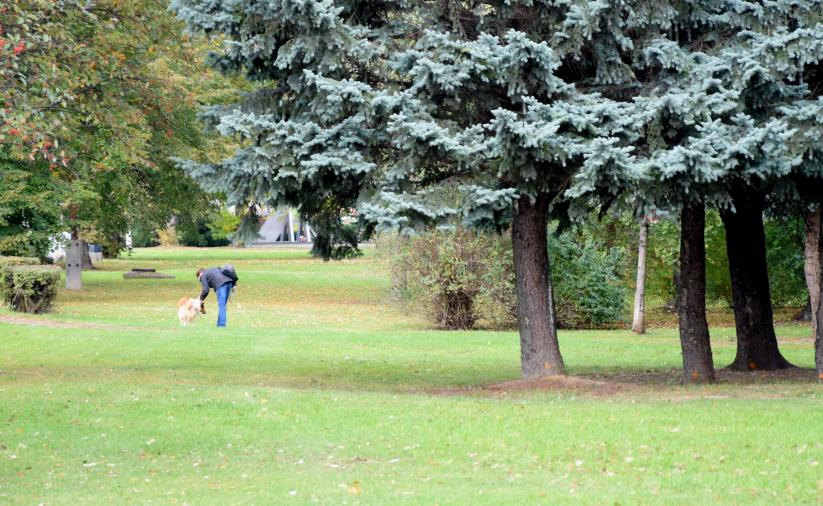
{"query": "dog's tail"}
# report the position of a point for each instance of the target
(183, 301)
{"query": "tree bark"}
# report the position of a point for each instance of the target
(698, 365)
(639, 321)
(539, 349)
(746, 247)
(85, 260)
(812, 262)
(818, 310)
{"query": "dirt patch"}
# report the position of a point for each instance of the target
(790, 375)
(608, 384)
(639, 378)
(31, 322)
(560, 384)
(801, 340)
(673, 377)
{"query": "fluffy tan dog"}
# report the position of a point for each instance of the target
(187, 311)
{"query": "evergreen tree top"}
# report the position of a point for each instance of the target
(422, 113)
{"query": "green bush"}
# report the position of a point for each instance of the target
(6, 263)
(144, 237)
(223, 225)
(785, 240)
(587, 289)
(213, 229)
(28, 288)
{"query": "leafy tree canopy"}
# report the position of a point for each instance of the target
(98, 96)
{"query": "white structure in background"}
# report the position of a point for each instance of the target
(281, 226)
(95, 253)
(58, 246)
(58, 249)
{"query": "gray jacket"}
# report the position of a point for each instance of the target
(212, 278)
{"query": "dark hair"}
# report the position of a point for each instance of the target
(199, 271)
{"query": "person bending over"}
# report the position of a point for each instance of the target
(215, 279)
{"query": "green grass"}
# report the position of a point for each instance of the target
(321, 392)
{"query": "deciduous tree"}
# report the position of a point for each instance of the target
(101, 94)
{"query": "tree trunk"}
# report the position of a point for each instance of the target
(746, 248)
(85, 259)
(698, 366)
(806, 314)
(818, 312)
(639, 321)
(539, 350)
(812, 262)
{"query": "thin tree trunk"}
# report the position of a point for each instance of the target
(85, 261)
(746, 247)
(639, 321)
(73, 221)
(817, 311)
(539, 350)
(698, 366)
(812, 262)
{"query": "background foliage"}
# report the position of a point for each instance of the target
(96, 98)
(462, 278)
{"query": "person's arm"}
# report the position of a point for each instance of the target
(205, 292)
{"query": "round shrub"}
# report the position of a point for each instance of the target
(30, 289)
(588, 292)
(6, 263)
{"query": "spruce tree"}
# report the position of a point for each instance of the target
(306, 137)
(732, 108)
(489, 118)
(773, 51)
(426, 113)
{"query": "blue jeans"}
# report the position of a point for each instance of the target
(222, 299)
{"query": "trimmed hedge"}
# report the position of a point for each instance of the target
(7, 262)
(26, 286)
(10, 261)
(30, 289)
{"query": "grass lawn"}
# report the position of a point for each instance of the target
(320, 392)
